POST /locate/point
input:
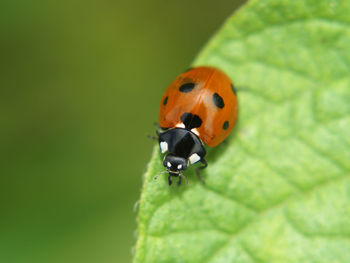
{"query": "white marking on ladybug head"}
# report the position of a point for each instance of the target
(194, 158)
(195, 131)
(180, 125)
(179, 167)
(163, 146)
(168, 164)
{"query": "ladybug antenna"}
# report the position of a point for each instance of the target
(181, 174)
(156, 177)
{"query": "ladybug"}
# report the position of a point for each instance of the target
(198, 108)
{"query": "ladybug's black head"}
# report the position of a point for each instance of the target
(174, 164)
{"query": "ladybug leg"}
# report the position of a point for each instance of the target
(154, 138)
(179, 182)
(205, 164)
(169, 180)
(241, 88)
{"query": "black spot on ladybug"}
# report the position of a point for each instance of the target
(225, 126)
(165, 101)
(233, 89)
(186, 87)
(191, 121)
(219, 102)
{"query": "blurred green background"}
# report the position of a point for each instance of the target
(80, 87)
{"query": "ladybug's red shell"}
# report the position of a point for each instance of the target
(206, 92)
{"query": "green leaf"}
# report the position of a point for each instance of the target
(279, 189)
